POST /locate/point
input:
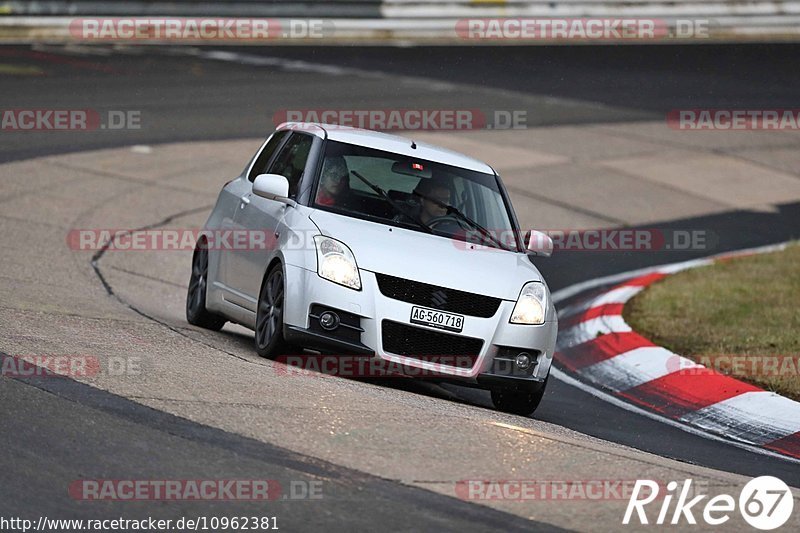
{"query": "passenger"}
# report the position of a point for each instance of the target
(334, 185)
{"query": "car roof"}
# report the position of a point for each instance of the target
(389, 143)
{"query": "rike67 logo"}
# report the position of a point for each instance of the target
(765, 503)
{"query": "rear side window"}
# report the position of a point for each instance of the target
(260, 166)
(291, 160)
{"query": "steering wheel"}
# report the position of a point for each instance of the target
(447, 219)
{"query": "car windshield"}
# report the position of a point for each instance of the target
(414, 193)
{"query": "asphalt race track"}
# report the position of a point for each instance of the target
(56, 431)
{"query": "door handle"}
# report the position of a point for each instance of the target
(245, 200)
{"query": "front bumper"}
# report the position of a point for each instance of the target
(305, 288)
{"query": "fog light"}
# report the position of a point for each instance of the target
(329, 320)
(523, 361)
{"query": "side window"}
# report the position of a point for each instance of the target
(260, 166)
(291, 160)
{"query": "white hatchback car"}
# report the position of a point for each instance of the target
(381, 247)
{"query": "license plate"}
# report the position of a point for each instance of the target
(437, 319)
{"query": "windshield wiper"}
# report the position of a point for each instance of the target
(452, 210)
(380, 192)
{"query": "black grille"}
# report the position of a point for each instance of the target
(433, 346)
(418, 293)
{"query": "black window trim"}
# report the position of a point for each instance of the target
(252, 177)
(303, 177)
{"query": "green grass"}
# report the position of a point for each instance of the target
(748, 306)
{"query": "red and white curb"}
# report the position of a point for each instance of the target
(597, 346)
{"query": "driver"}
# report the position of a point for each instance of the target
(429, 190)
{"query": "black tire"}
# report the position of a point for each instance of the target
(518, 403)
(196, 312)
(269, 315)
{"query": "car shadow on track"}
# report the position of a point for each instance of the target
(242, 342)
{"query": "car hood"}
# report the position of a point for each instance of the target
(429, 258)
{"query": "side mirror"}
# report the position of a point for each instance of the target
(272, 186)
(539, 243)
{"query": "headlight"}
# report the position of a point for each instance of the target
(531, 304)
(335, 262)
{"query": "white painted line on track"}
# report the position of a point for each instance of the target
(336, 70)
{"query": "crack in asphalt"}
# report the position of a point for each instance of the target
(95, 263)
(128, 177)
(145, 276)
(61, 313)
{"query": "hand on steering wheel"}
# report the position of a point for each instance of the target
(432, 223)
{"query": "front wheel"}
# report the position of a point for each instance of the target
(269, 315)
(518, 403)
(196, 312)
